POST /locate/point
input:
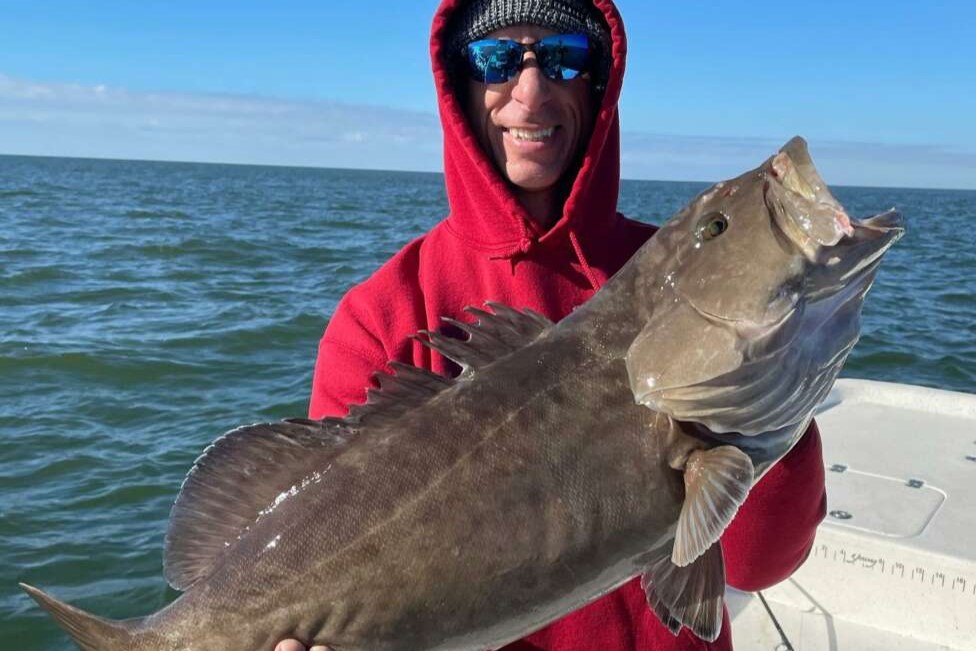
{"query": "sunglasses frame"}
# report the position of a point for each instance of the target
(509, 71)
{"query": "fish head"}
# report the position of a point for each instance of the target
(759, 300)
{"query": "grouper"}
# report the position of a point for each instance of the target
(564, 460)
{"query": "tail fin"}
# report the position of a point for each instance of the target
(89, 632)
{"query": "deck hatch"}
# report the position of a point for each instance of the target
(888, 506)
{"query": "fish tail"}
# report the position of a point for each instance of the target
(89, 632)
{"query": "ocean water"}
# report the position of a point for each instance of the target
(145, 308)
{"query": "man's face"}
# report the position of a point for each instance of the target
(531, 126)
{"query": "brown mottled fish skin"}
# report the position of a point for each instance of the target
(488, 509)
(536, 483)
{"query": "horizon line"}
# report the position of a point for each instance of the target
(407, 171)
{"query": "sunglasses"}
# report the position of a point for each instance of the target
(560, 57)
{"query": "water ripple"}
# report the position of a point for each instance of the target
(146, 308)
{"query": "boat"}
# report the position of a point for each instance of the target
(893, 565)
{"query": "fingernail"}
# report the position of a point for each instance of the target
(290, 645)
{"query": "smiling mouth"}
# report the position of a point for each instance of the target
(530, 135)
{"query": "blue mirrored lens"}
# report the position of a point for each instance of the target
(493, 60)
(560, 57)
(564, 56)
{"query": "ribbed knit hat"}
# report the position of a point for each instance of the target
(481, 17)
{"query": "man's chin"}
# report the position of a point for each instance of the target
(533, 178)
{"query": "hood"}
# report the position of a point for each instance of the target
(485, 213)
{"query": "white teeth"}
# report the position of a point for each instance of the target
(534, 135)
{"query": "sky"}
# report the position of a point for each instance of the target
(885, 92)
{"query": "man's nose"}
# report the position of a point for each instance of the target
(531, 87)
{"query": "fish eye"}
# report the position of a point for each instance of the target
(713, 225)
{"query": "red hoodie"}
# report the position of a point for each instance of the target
(489, 249)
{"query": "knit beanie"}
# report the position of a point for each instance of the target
(478, 18)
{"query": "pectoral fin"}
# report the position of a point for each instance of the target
(691, 596)
(717, 482)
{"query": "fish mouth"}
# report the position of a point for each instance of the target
(802, 205)
(840, 249)
(886, 227)
(856, 256)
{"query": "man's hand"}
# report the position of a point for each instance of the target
(295, 645)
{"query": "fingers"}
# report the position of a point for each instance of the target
(295, 645)
(290, 645)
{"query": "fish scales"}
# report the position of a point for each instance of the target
(589, 478)
(566, 459)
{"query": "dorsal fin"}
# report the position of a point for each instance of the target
(406, 388)
(238, 477)
(495, 334)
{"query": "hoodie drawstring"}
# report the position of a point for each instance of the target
(524, 247)
(587, 270)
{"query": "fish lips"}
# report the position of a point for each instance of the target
(854, 257)
(816, 223)
(801, 203)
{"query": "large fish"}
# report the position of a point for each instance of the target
(566, 459)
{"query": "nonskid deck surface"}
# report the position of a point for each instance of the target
(893, 567)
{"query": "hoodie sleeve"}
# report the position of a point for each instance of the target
(774, 530)
(342, 375)
(371, 326)
(348, 356)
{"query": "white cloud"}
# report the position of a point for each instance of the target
(102, 121)
(65, 119)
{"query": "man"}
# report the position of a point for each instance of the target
(531, 138)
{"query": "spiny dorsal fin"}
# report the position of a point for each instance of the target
(406, 388)
(495, 334)
(240, 475)
(717, 482)
(691, 596)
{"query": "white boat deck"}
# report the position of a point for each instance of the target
(893, 567)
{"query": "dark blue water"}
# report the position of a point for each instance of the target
(145, 308)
